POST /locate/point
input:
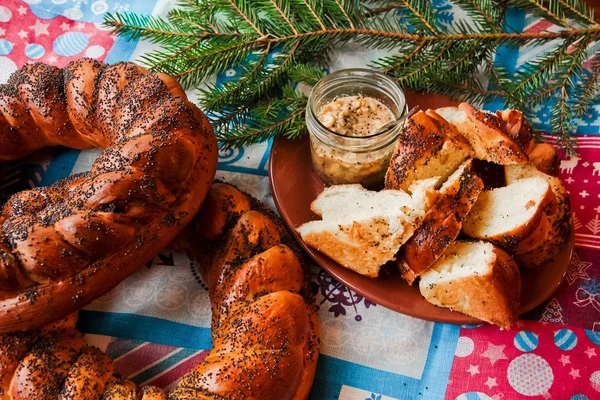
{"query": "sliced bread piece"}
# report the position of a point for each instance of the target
(483, 131)
(361, 229)
(544, 157)
(547, 243)
(427, 147)
(441, 224)
(515, 125)
(477, 279)
(507, 215)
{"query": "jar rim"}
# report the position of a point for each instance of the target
(360, 72)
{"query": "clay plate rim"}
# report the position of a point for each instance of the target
(295, 184)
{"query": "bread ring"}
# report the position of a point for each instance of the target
(54, 363)
(65, 245)
(265, 333)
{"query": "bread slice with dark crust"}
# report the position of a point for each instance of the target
(542, 155)
(477, 279)
(441, 224)
(427, 147)
(547, 244)
(361, 229)
(484, 132)
(507, 215)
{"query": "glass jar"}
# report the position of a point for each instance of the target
(340, 159)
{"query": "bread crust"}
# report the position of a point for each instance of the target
(427, 141)
(548, 241)
(515, 125)
(544, 157)
(484, 132)
(55, 363)
(493, 298)
(65, 245)
(441, 225)
(265, 328)
(511, 238)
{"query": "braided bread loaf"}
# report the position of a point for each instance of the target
(265, 335)
(64, 245)
(55, 363)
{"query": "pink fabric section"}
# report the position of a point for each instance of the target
(57, 41)
(534, 360)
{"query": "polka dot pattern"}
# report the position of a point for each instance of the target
(530, 375)
(565, 339)
(595, 381)
(464, 347)
(526, 341)
(34, 51)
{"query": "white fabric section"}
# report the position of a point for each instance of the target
(350, 393)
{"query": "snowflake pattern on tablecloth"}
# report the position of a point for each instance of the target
(340, 298)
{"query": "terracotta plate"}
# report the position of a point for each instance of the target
(295, 184)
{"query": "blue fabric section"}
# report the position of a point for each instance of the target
(122, 48)
(60, 166)
(229, 157)
(333, 373)
(593, 336)
(507, 56)
(146, 329)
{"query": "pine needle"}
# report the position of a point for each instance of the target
(274, 43)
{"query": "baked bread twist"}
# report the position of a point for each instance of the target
(265, 334)
(64, 245)
(55, 363)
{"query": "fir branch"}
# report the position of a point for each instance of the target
(345, 14)
(476, 12)
(403, 60)
(590, 88)
(549, 12)
(216, 98)
(312, 11)
(578, 11)
(420, 14)
(306, 74)
(245, 16)
(274, 43)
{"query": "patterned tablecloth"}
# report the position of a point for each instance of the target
(156, 324)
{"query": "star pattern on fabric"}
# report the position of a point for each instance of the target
(564, 360)
(22, 10)
(473, 369)
(495, 353)
(591, 352)
(52, 59)
(491, 382)
(64, 26)
(2, 32)
(22, 34)
(577, 269)
(40, 28)
(574, 373)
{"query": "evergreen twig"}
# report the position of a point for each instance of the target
(274, 43)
